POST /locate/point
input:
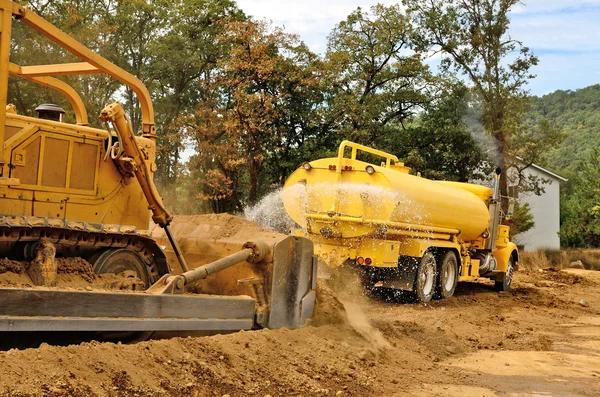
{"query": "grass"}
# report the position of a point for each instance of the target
(546, 257)
(589, 257)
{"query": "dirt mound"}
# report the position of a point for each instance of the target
(560, 276)
(429, 348)
(219, 226)
(328, 309)
(555, 278)
(9, 265)
(72, 273)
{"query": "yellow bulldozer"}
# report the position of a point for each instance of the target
(71, 192)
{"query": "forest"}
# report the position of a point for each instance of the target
(577, 115)
(241, 103)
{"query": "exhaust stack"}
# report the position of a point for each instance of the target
(494, 212)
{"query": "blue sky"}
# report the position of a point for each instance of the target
(565, 35)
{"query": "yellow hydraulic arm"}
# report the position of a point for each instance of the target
(135, 162)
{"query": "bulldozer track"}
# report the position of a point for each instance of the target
(82, 239)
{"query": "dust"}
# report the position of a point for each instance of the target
(328, 309)
(347, 286)
(473, 120)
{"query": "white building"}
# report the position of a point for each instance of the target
(545, 210)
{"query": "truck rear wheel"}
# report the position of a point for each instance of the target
(424, 286)
(447, 276)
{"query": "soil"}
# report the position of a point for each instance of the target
(72, 273)
(540, 338)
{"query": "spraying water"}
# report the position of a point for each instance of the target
(270, 213)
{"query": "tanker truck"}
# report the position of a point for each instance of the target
(402, 231)
(76, 203)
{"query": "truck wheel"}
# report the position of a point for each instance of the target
(425, 278)
(505, 279)
(447, 276)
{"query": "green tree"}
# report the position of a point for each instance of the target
(84, 20)
(532, 144)
(522, 219)
(250, 114)
(182, 62)
(373, 80)
(580, 206)
(473, 38)
(438, 143)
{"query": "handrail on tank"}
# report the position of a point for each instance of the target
(356, 146)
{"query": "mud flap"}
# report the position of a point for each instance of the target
(400, 278)
(294, 283)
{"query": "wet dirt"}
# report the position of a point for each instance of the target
(541, 338)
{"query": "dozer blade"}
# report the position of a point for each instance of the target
(54, 310)
(283, 284)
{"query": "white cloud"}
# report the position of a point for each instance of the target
(311, 19)
(544, 6)
(558, 30)
(563, 33)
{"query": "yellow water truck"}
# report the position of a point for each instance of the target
(405, 232)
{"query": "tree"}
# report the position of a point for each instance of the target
(438, 143)
(522, 219)
(84, 20)
(373, 80)
(532, 144)
(473, 38)
(580, 206)
(250, 113)
(181, 63)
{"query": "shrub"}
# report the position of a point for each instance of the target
(589, 257)
(533, 260)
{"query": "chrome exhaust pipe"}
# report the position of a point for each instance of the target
(494, 209)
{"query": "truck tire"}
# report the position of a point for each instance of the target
(447, 276)
(424, 286)
(504, 281)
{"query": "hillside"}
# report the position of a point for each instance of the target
(578, 114)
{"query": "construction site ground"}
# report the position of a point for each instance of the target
(541, 338)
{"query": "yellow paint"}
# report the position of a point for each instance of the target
(59, 170)
(350, 212)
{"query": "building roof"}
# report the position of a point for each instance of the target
(545, 171)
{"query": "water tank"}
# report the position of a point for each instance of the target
(347, 198)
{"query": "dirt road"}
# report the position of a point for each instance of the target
(540, 339)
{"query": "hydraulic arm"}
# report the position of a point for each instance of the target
(133, 161)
